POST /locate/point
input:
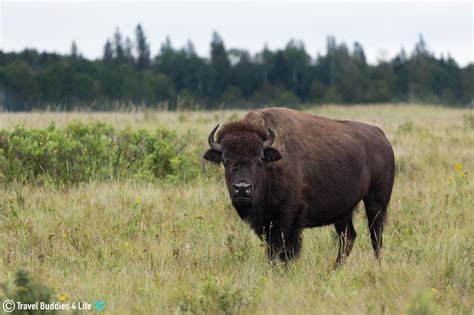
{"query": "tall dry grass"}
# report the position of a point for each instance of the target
(163, 248)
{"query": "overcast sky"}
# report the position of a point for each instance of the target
(381, 28)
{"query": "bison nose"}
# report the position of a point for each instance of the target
(242, 189)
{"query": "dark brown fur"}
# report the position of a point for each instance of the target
(326, 168)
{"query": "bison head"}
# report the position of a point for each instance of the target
(244, 153)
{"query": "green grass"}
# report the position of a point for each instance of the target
(174, 248)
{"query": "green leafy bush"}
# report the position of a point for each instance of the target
(28, 290)
(91, 151)
(215, 298)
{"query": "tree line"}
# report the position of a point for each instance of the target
(128, 75)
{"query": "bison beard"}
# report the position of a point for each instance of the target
(286, 170)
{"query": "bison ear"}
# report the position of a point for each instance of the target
(271, 154)
(213, 155)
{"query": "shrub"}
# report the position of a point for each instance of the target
(214, 298)
(91, 151)
(421, 304)
(28, 290)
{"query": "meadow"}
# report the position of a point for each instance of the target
(178, 246)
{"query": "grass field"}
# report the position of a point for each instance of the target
(175, 248)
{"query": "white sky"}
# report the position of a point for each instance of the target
(381, 27)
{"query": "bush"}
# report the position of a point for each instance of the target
(421, 304)
(28, 290)
(91, 151)
(214, 298)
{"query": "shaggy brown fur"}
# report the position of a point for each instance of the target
(314, 174)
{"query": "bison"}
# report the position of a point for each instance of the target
(287, 170)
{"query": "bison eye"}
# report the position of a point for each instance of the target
(224, 160)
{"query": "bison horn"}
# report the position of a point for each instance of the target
(267, 143)
(212, 142)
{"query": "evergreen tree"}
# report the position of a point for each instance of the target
(280, 73)
(220, 67)
(108, 55)
(265, 60)
(119, 53)
(128, 51)
(74, 50)
(400, 67)
(359, 74)
(166, 60)
(196, 71)
(230, 77)
(297, 61)
(246, 73)
(420, 73)
(143, 49)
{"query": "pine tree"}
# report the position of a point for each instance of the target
(29, 79)
(400, 67)
(359, 74)
(420, 73)
(119, 53)
(143, 49)
(128, 51)
(108, 56)
(420, 48)
(189, 49)
(220, 66)
(74, 50)
(358, 52)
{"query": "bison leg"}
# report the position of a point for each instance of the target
(376, 212)
(347, 236)
(284, 234)
(284, 244)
